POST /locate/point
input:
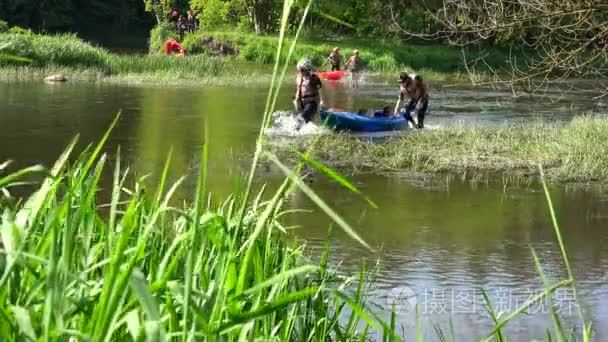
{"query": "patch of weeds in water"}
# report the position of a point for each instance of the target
(571, 152)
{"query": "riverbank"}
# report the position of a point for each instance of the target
(378, 55)
(28, 56)
(39, 56)
(571, 152)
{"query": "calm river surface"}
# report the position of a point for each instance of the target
(440, 240)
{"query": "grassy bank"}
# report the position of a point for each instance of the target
(377, 55)
(25, 56)
(571, 152)
(41, 55)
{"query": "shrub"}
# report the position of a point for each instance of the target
(68, 49)
(159, 35)
(3, 26)
(384, 63)
(219, 14)
(17, 45)
(19, 30)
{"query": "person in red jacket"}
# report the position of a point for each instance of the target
(172, 46)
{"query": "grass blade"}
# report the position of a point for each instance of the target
(318, 201)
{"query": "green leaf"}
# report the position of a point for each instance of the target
(22, 316)
(9, 179)
(317, 200)
(281, 277)
(139, 285)
(340, 179)
(133, 323)
(30, 209)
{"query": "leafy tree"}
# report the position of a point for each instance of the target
(219, 14)
(160, 8)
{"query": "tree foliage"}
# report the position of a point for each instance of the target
(564, 38)
(74, 15)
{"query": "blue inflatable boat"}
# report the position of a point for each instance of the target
(347, 121)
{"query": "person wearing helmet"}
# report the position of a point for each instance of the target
(308, 90)
(335, 59)
(353, 64)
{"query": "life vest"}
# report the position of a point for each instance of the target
(308, 88)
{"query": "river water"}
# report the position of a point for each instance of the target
(439, 240)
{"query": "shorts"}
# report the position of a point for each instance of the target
(308, 110)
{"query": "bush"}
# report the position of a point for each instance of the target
(17, 45)
(19, 30)
(3, 26)
(159, 35)
(67, 49)
(384, 63)
(221, 14)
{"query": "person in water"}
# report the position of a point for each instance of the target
(335, 59)
(419, 101)
(308, 90)
(353, 64)
(406, 83)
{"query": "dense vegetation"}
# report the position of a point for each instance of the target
(45, 53)
(147, 270)
(366, 17)
(568, 152)
(26, 55)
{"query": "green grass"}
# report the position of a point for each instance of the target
(377, 55)
(145, 269)
(567, 151)
(31, 56)
(25, 55)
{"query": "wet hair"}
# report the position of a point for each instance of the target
(418, 78)
(404, 77)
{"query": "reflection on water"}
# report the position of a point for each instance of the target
(439, 241)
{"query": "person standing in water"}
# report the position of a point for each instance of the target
(335, 59)
(405, 92)
(308, 90)
(419, 102)
(353, 64)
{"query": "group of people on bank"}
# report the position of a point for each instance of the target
(187, 22)
(412, 101)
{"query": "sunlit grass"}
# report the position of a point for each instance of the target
(377, 55)
(571, 151)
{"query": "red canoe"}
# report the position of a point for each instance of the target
(331, 75)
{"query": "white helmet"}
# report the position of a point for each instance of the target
(305, 64)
